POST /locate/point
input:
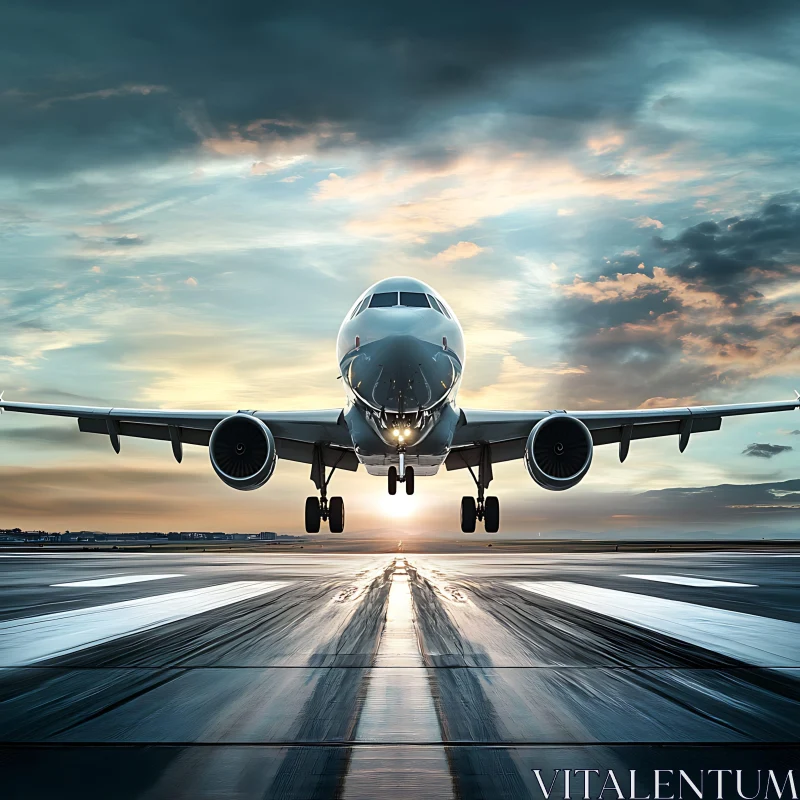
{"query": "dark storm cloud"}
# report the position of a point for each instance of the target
(795, 433)
(96, 81)
(763, 450)
(724, 254)
(645, 326)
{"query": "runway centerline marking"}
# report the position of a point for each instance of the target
(116, 580)
(684, 580)
(398, 707)
(762, 641)
(32, 639)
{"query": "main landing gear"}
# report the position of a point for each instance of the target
(485, 509)
(319, 509)
(406, 471)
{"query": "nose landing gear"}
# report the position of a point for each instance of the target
(485, 509)
(320, 509)
(407, 479)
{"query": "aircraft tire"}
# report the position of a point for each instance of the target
(491, 514)
(392, 480)
(336, 514)
(409, 480)
(469, 514)
(313, 515)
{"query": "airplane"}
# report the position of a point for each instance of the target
(401, 357)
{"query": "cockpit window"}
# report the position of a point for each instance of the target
(414, 300)
(362, 305)
(435, 304)
(383, 300)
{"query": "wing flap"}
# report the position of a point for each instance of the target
(142, 430)
(651, 430)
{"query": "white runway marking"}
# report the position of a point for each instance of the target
(31, 639)
(683, 580)
(117, 580)
(398, 707)
(761, 641)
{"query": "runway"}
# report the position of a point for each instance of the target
(482, 675)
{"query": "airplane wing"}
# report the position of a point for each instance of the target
(506, 432)
(296, 432)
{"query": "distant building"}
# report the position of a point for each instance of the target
(269, 536)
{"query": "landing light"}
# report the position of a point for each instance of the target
(407, 432)
(396, 433)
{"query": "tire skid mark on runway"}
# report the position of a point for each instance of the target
(399, 712)
(332, 712)
(462, 703)
(37, 708)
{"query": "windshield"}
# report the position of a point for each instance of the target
(414, 299)
(383, 300)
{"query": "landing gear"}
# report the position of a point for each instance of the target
(485, 509)
(319, 508)
(409, 480)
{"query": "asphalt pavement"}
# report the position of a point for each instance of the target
(481, 675)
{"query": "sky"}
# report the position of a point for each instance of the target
(193, 195)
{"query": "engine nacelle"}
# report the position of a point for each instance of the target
(558, 452)
(242, 451)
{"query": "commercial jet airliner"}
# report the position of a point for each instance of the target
(401, 355)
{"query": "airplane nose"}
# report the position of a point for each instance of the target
(402, 374)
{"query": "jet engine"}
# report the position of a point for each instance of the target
(242, 451)
(558, 452)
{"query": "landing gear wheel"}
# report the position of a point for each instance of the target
(409, 480)
(392, 480)
(469, 514)
(313, 514)
(491, 514)
(336, 514)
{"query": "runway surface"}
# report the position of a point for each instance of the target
(378, 676)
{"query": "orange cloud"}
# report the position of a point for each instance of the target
(402, 201)
(458, 252)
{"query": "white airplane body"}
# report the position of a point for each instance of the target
(401, 356)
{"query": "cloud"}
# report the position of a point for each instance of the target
(103, 94)
(608, 143)
(795, 433)
(191, 281)
(458, 252)
(689, 328)
(405, 200)
(384, 74)
(648, 222)
(126, 240)
(765, 450)
(738, 254)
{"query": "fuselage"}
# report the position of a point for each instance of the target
(401, 355)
